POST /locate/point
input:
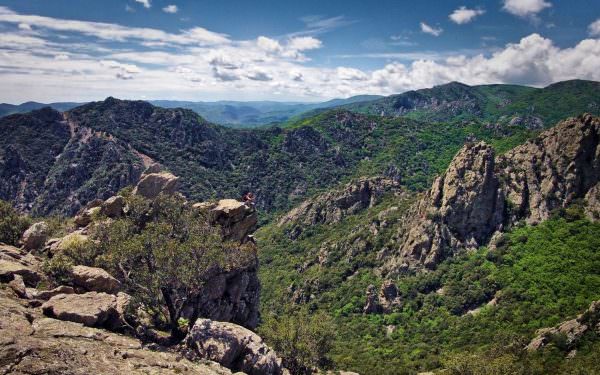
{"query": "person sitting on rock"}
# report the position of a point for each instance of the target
(248, 199)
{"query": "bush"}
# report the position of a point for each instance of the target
(12, 225)
(303, 340)
(58, 268)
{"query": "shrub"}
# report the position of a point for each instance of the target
(59, 268)
(12, 225)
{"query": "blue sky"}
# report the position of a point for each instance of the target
(57, 50)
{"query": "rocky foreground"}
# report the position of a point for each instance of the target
(87, 323)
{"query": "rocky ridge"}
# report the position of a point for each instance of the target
(85, 322)
(481, 194)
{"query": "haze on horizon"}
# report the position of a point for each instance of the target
(284, 51)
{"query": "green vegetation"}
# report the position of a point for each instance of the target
(490, 103)
(538, 276)
(162, 251)
(12, 224)
(301, 338)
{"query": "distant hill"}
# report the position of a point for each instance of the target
(9, 109)
(530, 106)
(255, 113)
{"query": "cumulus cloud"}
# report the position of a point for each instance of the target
(170, 9)
(184, 65)
(431, 30)
(594, 28)
(525, 8)
(464, 15)
(145, 3)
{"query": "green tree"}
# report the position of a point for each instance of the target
(164, 252)
(302, 339)
(12, 225)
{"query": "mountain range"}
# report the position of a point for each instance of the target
(450, 229)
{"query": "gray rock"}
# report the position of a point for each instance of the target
(237, 220)
(95, 279)
(234, 347)
(152, 185)
(35, 236)
(91, 309)
(113, 206)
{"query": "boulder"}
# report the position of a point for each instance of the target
(95, 279)
(14, 261)
(18, 286)
(152, 185)
(113, 206)
(232, 346)
(35, 236)
(84, 218)
(9, 269)
(372, 305)
(91, 309)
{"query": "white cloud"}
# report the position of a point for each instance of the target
(464, 15)
(431, 30)
(525, 8)
(184, 65)
(110, 31)
(268, 44)
(145, 3)
(170, 9)
(594, 28)
(24, 26)
(304, 43)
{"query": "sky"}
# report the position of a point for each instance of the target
(309, 50)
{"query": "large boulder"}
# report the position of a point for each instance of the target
(95, 279)
(237, 219)
(113, 206)
(86, 216)
(35, 236)
(91, 309)
(152, 185)
(233, 346)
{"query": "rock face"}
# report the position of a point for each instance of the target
(232, 296)
(572, 330)
(35, 236)
(237, 220)
(33, 344)
(383, 302)
(95, 279)
(234, 347)
(481, 194)
(153, 184)
(332, 206)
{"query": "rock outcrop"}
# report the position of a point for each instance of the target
(383, 302)
(333, 206)
(481, 194)
(234, 347)
(571, 331)
(236, 219)
(31, 343)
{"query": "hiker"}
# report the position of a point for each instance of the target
(248, 199)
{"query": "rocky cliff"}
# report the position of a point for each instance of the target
(481, 194)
